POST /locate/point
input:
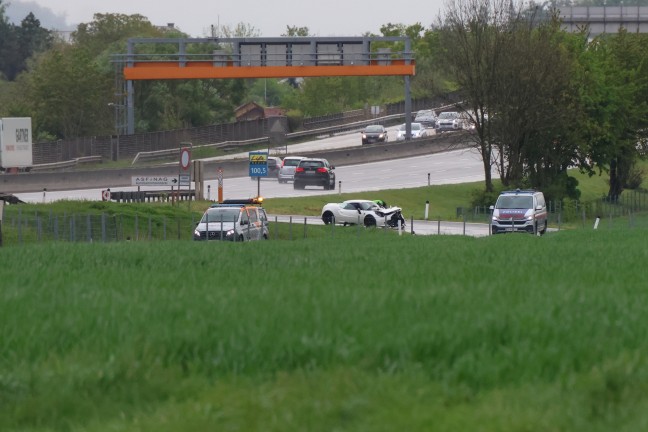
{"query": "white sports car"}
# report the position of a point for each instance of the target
(360, 211)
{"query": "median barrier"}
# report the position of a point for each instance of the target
(231, 168)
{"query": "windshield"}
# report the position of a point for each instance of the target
(514, 202)
(374, 129)
(448, 115)
(291, 162)
(226, 214)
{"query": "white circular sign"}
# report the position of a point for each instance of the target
(105, 195)
(184, 158)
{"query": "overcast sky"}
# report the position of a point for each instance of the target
(270, 17)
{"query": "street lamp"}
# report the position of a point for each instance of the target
(114, 141)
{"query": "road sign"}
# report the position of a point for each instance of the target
(185, 180)
(154, 181)
(105, 195)
(185, 158)
(258, 164)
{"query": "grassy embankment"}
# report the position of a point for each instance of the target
(410, 333)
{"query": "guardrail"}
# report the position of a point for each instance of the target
(164, 154)
(332, 130)
(150, 196)
(67, 164)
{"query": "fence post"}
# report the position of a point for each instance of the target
(305, 226)
(89, 223)
(39, 228)
(103, 227)
(290, 228)
(19, 226)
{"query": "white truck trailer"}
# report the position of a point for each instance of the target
(16, 144)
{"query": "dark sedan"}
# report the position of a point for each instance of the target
(314, 172)
(374, 133)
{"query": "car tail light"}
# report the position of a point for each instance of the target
(299, 169)
(321, 170)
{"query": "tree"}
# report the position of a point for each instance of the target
(292, 31)
(69, 93)
(240, 30)
(615, 94)
(513, 72)
(9, 59)
(111, 31)
(538, 108)
(472, 42)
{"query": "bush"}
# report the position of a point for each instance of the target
(635, 178)
(295, 120)
(483, 198)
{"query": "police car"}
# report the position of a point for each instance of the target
(234, 220)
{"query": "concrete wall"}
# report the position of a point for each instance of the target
(52, 181)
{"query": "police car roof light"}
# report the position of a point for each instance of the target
(248, 201)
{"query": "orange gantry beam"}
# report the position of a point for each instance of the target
(209, 70)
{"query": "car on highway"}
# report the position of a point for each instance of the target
(362, 212)
(233, 220)
(374, 133)
(427, 118)
(287, 170)
(314, 172)
(519, 211)
(418, 131)
(450, 121)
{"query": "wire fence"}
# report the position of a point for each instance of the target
(19, 228)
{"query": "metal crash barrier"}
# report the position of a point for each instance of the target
(151, 196)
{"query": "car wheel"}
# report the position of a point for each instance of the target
(332, 186)
(369, 221)
(327, 218)
(241, 238)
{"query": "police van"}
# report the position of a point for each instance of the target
(234, 220)
(519, 211)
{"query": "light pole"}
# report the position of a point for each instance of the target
(114, 149)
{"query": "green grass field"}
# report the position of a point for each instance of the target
(345, 330)
(394, 333)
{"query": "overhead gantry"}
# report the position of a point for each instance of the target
(282, 57)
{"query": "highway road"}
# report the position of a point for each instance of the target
(459, 166)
